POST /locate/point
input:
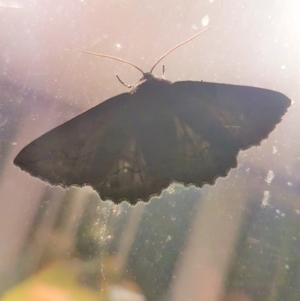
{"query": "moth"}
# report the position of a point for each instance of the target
(134, 145)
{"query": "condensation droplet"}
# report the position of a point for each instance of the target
(205, 20)
(275, 150)
(270, 177)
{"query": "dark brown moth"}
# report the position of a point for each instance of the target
(134, 145)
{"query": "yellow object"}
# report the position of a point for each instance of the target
(57, 282)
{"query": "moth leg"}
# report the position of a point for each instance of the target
(128, 86)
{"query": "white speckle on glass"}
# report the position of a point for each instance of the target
(118, 45)
(205, 20)
(265, 200)
(270, 177)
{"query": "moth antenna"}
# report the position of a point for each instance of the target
(111, 57)
(128, 86)
(182, 43)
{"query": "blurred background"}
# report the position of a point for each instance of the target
(238, 240)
